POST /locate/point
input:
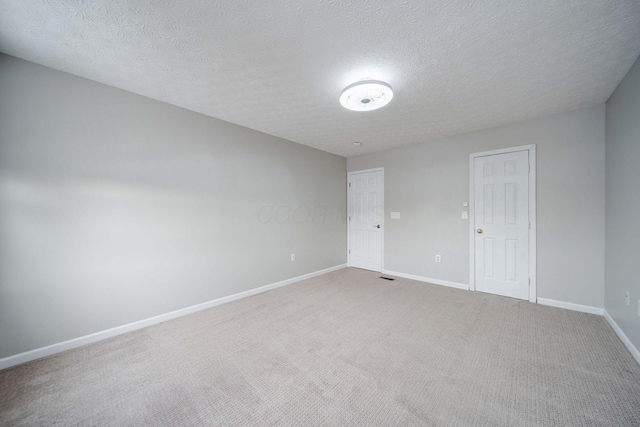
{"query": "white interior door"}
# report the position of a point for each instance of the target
(366, 211)
(501, 221)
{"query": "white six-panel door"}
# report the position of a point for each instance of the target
(501, 221)
(366, 211)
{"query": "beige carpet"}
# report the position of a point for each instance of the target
(343, 349)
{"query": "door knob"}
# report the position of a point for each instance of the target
(479, 230)
(377, 226)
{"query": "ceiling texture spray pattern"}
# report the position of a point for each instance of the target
(279, 66)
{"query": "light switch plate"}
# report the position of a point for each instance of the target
(465, 215)
(395, 215)
(465, 204)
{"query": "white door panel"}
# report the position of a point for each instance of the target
(365, 225)
(501, 218)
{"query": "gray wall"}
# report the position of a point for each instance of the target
(428, 182)
(623, 204)
(115, 207)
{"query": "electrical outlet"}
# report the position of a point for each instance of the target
(438, 259)
(293, 257)
(626, 297)
(465, 215)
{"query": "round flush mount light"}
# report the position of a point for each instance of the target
(357, 144)
(366, 95)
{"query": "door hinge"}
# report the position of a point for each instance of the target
(529, 282)
(529, 168)
(349, 217)
(349, 251)
(529, 225)
(349, 185)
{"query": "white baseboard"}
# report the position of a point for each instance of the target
(623, 337)
(427, 279)
(571, 306)
(102, 335)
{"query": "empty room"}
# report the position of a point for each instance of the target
(322, 213)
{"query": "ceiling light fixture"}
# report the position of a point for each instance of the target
(357, 144)
(366, 95)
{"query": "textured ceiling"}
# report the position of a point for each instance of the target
(279, 66)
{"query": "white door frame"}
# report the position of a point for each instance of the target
(532, 215)
(349, 215)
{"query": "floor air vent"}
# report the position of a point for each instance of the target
(386, 278)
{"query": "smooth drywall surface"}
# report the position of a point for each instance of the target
(623, 205)
(428, 183)
(116, 208)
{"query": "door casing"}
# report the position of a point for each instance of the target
(532, 215)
